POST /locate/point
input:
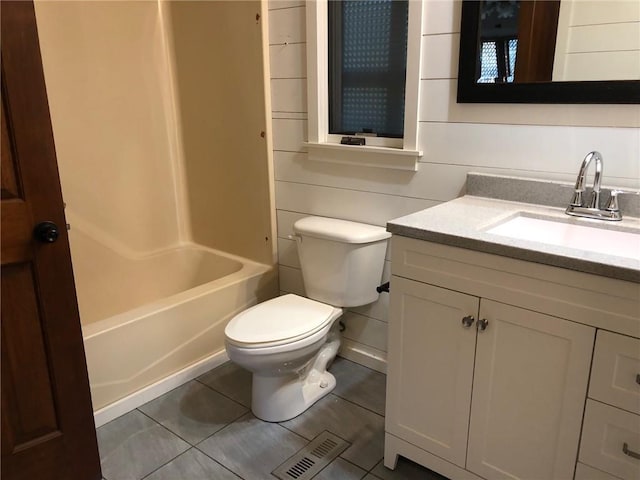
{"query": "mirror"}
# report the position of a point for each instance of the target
(549, 51)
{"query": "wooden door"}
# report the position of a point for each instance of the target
(430, 367)
(47, 421)
(537, 32)
(529, 389)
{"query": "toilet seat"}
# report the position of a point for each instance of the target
(281, 320)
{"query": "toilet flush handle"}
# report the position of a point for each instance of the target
(295, 237)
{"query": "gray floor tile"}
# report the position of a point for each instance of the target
(405, 470)
(193, 411)
(340, 469)
(230, 380)
(192, 465)
(359, 384)
(252, 448)
(359, 426)
(133, 446)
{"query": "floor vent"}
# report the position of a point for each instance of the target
(311, 459)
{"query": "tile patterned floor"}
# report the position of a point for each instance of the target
(205, 430)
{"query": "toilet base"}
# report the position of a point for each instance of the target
(276, 399)
(280, 398)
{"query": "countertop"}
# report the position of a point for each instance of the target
(464, 222)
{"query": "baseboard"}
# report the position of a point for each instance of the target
(364, 355)
(150, 392)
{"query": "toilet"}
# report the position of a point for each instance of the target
(288, 342)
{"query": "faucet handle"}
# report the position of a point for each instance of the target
(612, 205)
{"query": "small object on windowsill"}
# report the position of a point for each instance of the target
(352, 141)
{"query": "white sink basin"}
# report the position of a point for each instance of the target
(620, 243)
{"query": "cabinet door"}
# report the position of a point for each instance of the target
(430, 367)
(529, 391)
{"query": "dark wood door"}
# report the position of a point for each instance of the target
(47, 421)
(537, 32)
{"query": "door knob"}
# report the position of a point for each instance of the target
(46, 232)
(482, 324)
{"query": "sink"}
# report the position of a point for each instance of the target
(566, 233)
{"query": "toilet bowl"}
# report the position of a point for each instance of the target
(288, 342)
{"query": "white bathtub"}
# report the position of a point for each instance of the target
(147, 317)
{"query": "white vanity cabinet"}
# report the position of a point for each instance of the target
(489, 361)
(528, 373)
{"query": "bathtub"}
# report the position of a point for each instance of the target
(146, 317)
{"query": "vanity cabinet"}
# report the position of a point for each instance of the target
(527, 371)
(489, 361)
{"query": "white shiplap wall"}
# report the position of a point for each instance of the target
(598, 41)
(544, 141)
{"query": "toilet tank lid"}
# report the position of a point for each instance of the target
(339, 230)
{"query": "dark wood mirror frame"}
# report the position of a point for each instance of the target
(611, 92)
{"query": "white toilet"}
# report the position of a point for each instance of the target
(289, 341)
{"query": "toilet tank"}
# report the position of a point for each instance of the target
(341, 261)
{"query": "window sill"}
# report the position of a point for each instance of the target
(364, 155)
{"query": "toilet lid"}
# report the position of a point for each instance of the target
(281, 318)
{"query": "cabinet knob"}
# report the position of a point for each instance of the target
(482, 324)
(468, 321)
(638, 378)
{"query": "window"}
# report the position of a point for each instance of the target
(498, 41)
(497, 61)
(363, 63)
(367, 43)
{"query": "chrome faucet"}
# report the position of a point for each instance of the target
(582, 178)
(592, 208)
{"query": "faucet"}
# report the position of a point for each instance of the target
(592, 208)
(579, 189)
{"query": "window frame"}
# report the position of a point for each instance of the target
(384, 152)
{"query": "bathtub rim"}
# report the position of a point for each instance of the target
(248, 269)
